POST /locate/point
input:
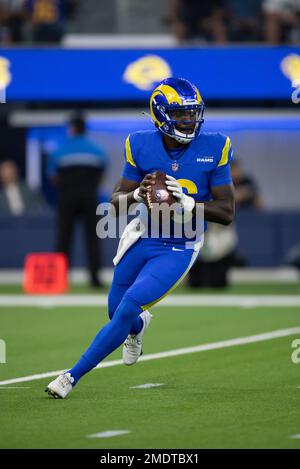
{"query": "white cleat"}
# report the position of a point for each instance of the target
(61, 386)
(132, 348)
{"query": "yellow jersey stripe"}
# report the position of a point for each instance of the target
(129, 157)
(225, 153)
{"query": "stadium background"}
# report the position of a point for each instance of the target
(248, 88)
(265, 138)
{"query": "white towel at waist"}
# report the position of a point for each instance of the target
(133, 231)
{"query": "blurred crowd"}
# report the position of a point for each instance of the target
(221, 21)
(191, 21)
(37, 21)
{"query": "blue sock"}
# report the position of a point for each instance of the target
(110, 337)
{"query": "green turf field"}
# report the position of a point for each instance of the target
(245, 396)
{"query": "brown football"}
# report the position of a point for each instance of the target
(159, 192)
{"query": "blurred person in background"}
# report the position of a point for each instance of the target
(194, 19)
(16, 198)
(11, 21)
(76, 167)
(48, 18)
(218, 254)
(246, 191)
(244, 20)
(282, 21)
(293, 256)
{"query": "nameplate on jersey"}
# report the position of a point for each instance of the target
(205, 159)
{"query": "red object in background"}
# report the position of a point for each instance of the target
(45, 273)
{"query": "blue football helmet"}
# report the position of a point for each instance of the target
(177, 109)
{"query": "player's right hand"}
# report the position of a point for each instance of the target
(146, 185)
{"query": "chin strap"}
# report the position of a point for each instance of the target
(185, 138)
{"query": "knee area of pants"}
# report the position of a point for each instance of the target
(128, 309)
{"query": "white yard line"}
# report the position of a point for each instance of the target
(14, 387)
(172, 300)
(173, 353)
(145, 386)
(109, 434)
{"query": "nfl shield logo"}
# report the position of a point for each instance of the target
(175, 166)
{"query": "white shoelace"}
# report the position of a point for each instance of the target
(66, 380)
(132, 341)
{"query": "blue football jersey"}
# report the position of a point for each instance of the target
(201, 165)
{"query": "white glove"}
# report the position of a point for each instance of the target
(136, 195)
(187, 202)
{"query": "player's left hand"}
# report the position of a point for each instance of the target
(187, 202)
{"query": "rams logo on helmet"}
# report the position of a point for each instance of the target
(5, 76)
(145, 72)
(290, 66)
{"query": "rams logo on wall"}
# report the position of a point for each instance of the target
(5, 76)
(290, 66)
(145, 72)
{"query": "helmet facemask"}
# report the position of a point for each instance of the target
(186, 122)
(182, 123)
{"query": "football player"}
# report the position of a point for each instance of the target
(197, 165)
